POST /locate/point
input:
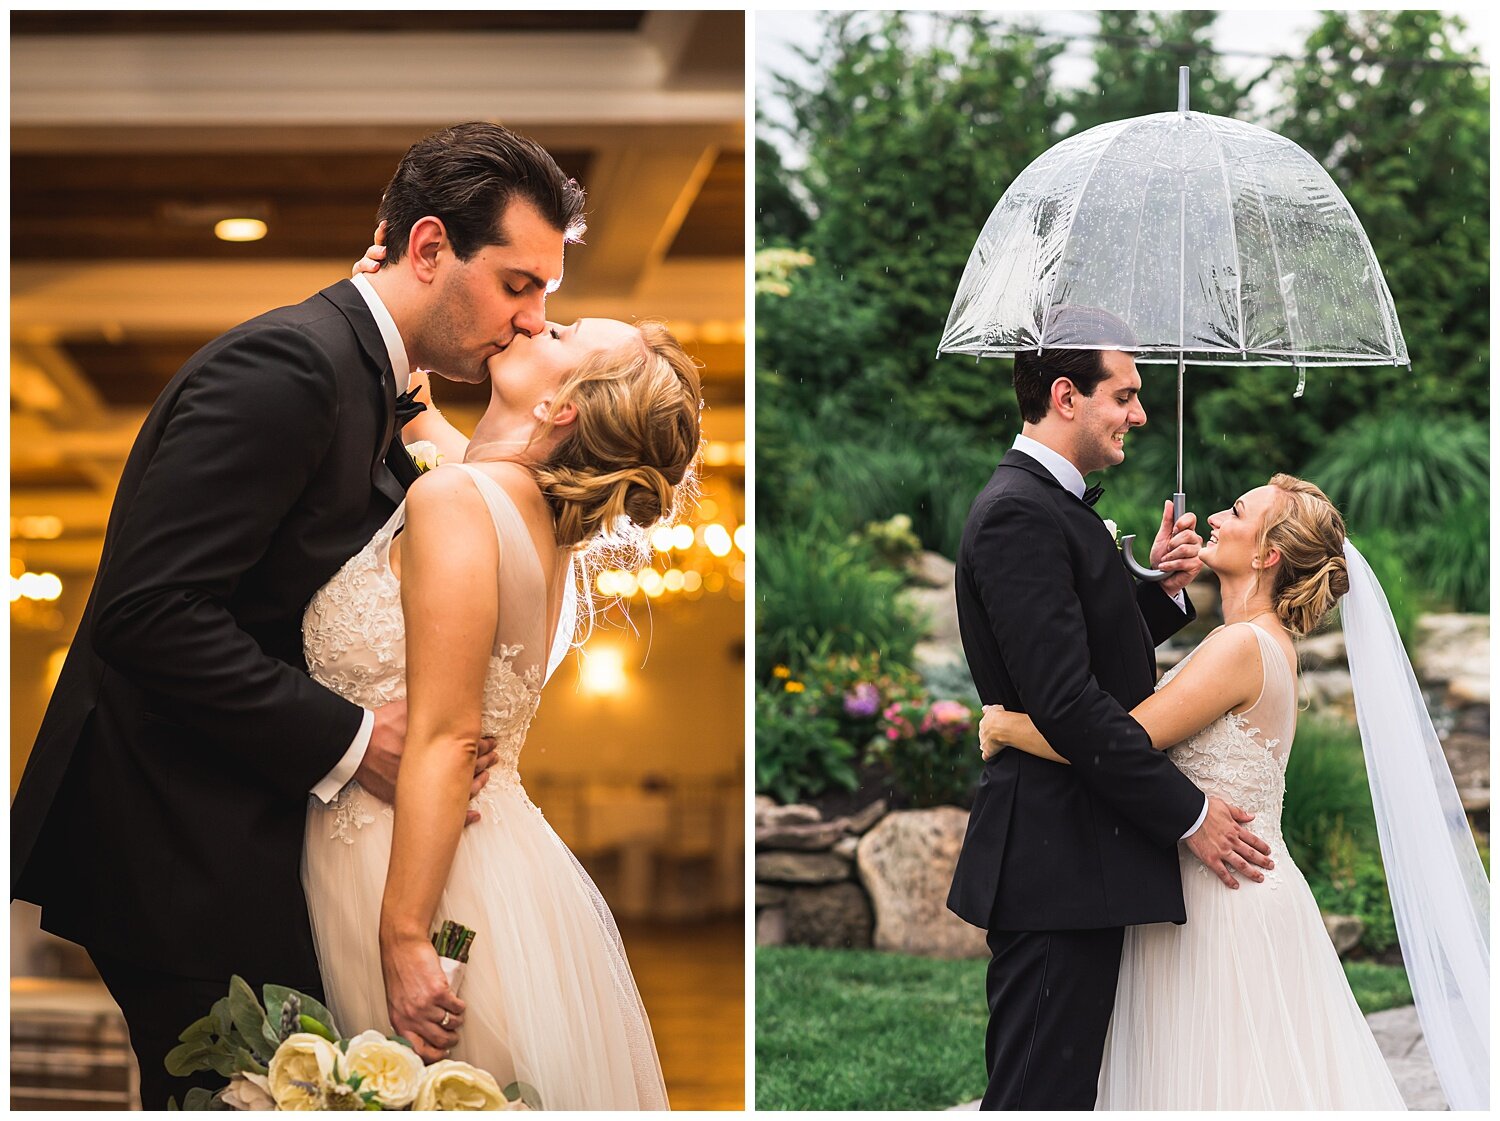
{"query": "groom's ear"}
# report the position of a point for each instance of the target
(1064, 396)
(424, 247)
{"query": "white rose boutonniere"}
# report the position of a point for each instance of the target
(1114, 531)
(424, 454)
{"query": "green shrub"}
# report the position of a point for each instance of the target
(1454, 551)
(1398, 471)
(1329, 823)
(931, 749)
(798, 751)
(817, 593)
(1390, 557)
(856, 688)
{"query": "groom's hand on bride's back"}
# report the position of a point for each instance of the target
(1175, 550)
(1225, 846)
(377, 771)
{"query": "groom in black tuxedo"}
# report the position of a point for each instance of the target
(159, 820)
(1058, 860)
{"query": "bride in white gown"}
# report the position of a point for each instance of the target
(463, 604)
(1247, 1006)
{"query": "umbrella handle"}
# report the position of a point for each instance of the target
(1127, 546)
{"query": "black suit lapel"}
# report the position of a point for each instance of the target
(391, 468)
(1024, 462)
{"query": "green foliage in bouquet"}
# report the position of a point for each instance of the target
(288, 1054)
(240, 1035)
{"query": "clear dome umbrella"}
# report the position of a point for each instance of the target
(1216, 241)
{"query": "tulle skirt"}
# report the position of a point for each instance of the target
(550, 998)
(1244, 1007)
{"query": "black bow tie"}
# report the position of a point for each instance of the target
(407, 408)
(1091, 495)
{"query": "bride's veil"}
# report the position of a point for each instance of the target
(1439, 891)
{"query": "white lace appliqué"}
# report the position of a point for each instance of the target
(1228, 759)
(354, 639)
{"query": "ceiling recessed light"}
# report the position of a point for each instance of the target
(240, 229)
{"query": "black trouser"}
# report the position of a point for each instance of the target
(157, 1007)
(1051, 994)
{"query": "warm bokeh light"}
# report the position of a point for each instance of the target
(662, 538)
(44, 586)
(673, 581)
(716, 537)
(602, 671)
(240, 229)
(742, 538)
(692, 581)
(37, 527)
(682, 536)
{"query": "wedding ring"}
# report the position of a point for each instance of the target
(443, 1023)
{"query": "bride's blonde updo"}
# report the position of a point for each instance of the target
(628, 460)
(1308, 531)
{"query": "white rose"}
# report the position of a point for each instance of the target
(392, 1070)
(1114, 530)
(248, 1091)
(453, 1085)
(301, 1071)
(425, 454)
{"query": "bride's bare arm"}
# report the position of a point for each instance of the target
(1223, 674)
(449, 600)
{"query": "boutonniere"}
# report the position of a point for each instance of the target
(425, 455)
(1114, 531)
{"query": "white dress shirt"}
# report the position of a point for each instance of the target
(1071, 480)
(331, 783)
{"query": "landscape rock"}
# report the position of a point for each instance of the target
(813, 837)
(767, 895)
(837, 916)
(800, 868)
(861, 821)
(846, 847)
(1322, 651)
(770, 927)
(906, 863)
(1469, 759)
(937, 612)
(931, 570)
(1468, 689)
(1329, 688)
(774, 816)
(1345, 931)
(1450, 646)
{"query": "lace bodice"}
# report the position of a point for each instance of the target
(1242, 757)
(354, 639)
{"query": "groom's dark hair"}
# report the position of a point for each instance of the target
(468, 175)
(1068, 327)
(1035, 373)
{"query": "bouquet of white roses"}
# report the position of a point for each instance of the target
(288, 1054)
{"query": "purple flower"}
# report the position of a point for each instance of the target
(863, 701)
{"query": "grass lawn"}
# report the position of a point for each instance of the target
(855, 1029)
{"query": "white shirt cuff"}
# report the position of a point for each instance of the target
(1180, 599)
(334, 781)
(1197, 824)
